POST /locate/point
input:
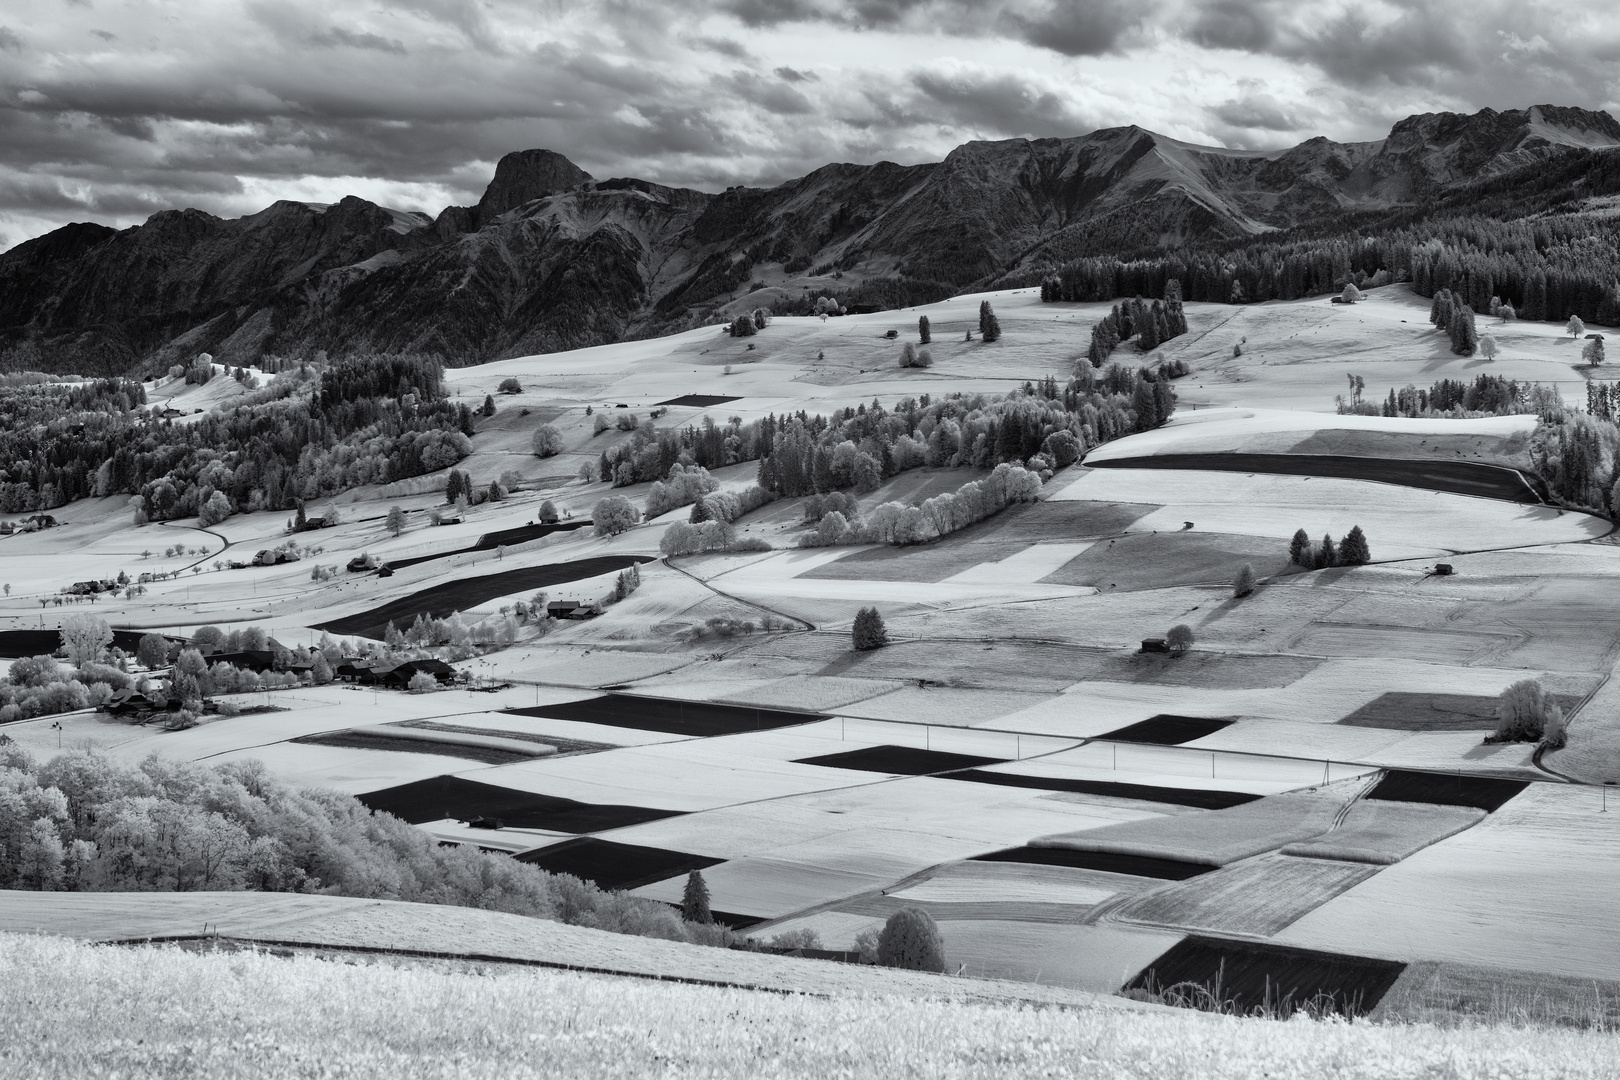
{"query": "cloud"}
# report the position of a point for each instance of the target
(238, 104)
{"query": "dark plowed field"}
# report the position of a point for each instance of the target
(1134, 865)
(1447, 789)
(1204, 800)
(15, 644)
(466, 800)
(901, 760)
(1457, 477)
(365, 740)
(1167, 730)
(1248, 976)
(492, 540)
(612, 865)
(699, 401)
(696, 718)
(1398, 711)
(440, 601)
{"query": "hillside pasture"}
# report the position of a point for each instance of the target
(1255, 897)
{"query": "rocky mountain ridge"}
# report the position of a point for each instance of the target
(551, 258)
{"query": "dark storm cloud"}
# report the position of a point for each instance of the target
(1067, 27)
(9, 41)
(1256, 111)
(723, 46)
(1234, 24)
(994, 104)
(1079, 27)
(787, 74)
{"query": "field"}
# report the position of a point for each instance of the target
(66, 1007)
(1068, 806)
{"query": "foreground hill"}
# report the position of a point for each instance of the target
(550, 259)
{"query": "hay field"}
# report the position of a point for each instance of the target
(1256, 897)
(1383, 833)
(1529, 887)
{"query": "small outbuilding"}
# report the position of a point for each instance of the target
(1155, 645)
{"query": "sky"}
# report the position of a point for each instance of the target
(113, 110)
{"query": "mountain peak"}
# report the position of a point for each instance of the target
(525, 175)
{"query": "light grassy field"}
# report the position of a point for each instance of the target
(1255, 897)
(69, 1010)
(1381, 832)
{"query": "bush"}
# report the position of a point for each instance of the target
(802, 938)
(1243, 584)
(613, 515)
(684, 485)
(869, 632)
(422, 682)
(510, 385)
(1525, 713)
(750, 544)
(1180, 638)
(548, 441)
(600, 425)
(910, 940)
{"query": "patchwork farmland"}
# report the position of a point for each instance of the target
(1304, 799)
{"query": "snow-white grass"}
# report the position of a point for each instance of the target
(74, 1010)
(346, 769)
(1384, 832)
(1237, 429)
(1024, 567)
(990, 882)
(1531, 886)
(1400, 522)
(1179, 766)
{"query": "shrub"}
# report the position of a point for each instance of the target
(684, 485)
(910, 940)
(548, 512)
(548, 441)
(1180, 638)
(613, 515)
(602, 424)
(750, 544)
(1525, 713)
(802, 938)
(1243, 584)
(510, 385)
(695, 900)
(627, 422)
(421, 682)
(866, 943)
(869, 632)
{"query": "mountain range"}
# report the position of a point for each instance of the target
(551, 258)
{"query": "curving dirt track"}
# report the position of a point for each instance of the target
(1456, 477)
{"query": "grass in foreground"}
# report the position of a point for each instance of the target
(74, 1010)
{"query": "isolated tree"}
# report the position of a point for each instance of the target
(1351, 294)
(910, 940)
(208, 635)
(869, 632)
(1575, 328)
(496, 492)
(321, 671)
(489, 405)
(548, 441)
(153, 651)
(908, 355)
(1487, 346)
(761, 319)
(85, 638)
(1299, 549)
(510, 385)
(422, 682)
(396, 520)
(613, 515)
(1180, 638)
(1327, 555)
(1593, 352)
(1354, 550)
(548, 512)
(1243, 584)
(1524, 711)
(925, 359)
(924, 332)
(695, 900)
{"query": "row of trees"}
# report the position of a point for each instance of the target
(898, 523)
(1486, 395)
(1353, 551)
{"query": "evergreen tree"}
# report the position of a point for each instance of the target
(695, 900)
(989, 326)
(1327, 555)
(924, 335)
(1299, 549)
(1243, 584)
(911, 941)
(1354, 550)
(489, 405)
(869, 632)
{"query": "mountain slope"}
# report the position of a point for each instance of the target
(551, 259)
